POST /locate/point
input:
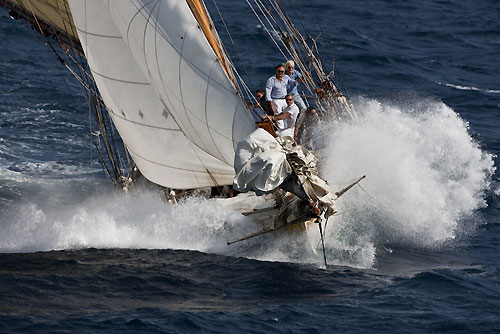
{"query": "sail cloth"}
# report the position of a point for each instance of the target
(264, 163)
(54, 13)
(260, 163)
(158, 147)
(184, 71)
(147, 125)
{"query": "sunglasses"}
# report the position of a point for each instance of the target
(289, 99)
(280, 71)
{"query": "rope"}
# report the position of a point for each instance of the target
(233, 43)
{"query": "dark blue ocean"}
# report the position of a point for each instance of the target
(415, 250)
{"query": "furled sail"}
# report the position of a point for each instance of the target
(162, 153)
(175, 56)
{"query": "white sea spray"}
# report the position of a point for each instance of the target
(425, 173)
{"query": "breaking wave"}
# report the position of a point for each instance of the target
(425, 174)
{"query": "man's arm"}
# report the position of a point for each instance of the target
(300, 78)
(281, 116)
(298, 123)
(296, 133)
(269, 89)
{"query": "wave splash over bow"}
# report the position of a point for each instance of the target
(425, 174)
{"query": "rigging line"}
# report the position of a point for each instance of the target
(302, 18)
(322, 241)
(104, 131)
(376, 200)
(233, 67)
(316, 18)
(291, 29)
(67, 52)
(233, 43)
(269, 14)
(96, 101)
(74, 101)
(245, 87)
(127, 155)
(331, 54)
(217, 185)
(121, 163)
(265, 28)
(227, 63)
(291, 50)
(101, 159)
(71, 94)
(97, 144)
(334, 215)
(332, 101)
(62, 62)
(73, 32)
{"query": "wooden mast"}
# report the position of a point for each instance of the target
(202, 17)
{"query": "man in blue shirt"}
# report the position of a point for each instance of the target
(292, 89)
(276, 90)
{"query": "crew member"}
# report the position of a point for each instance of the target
(304, 127)
(288, 117)
(262, 103)
(292, 89)
(276, 88)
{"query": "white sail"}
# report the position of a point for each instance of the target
(160, 149)
(172, 51)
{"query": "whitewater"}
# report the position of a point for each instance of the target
(426, 176)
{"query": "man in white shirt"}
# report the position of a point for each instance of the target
(289, 116)
(276, 88)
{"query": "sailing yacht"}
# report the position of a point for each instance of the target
(161, 72)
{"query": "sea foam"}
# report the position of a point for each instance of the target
(424, 175)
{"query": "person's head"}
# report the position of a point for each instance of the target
(280, 70)
(289, 99)
(289, 67)
(260, 93)
(311, 111)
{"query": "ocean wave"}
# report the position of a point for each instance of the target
(424, 174)
(482, 90)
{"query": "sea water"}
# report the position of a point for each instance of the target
(413, 248)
